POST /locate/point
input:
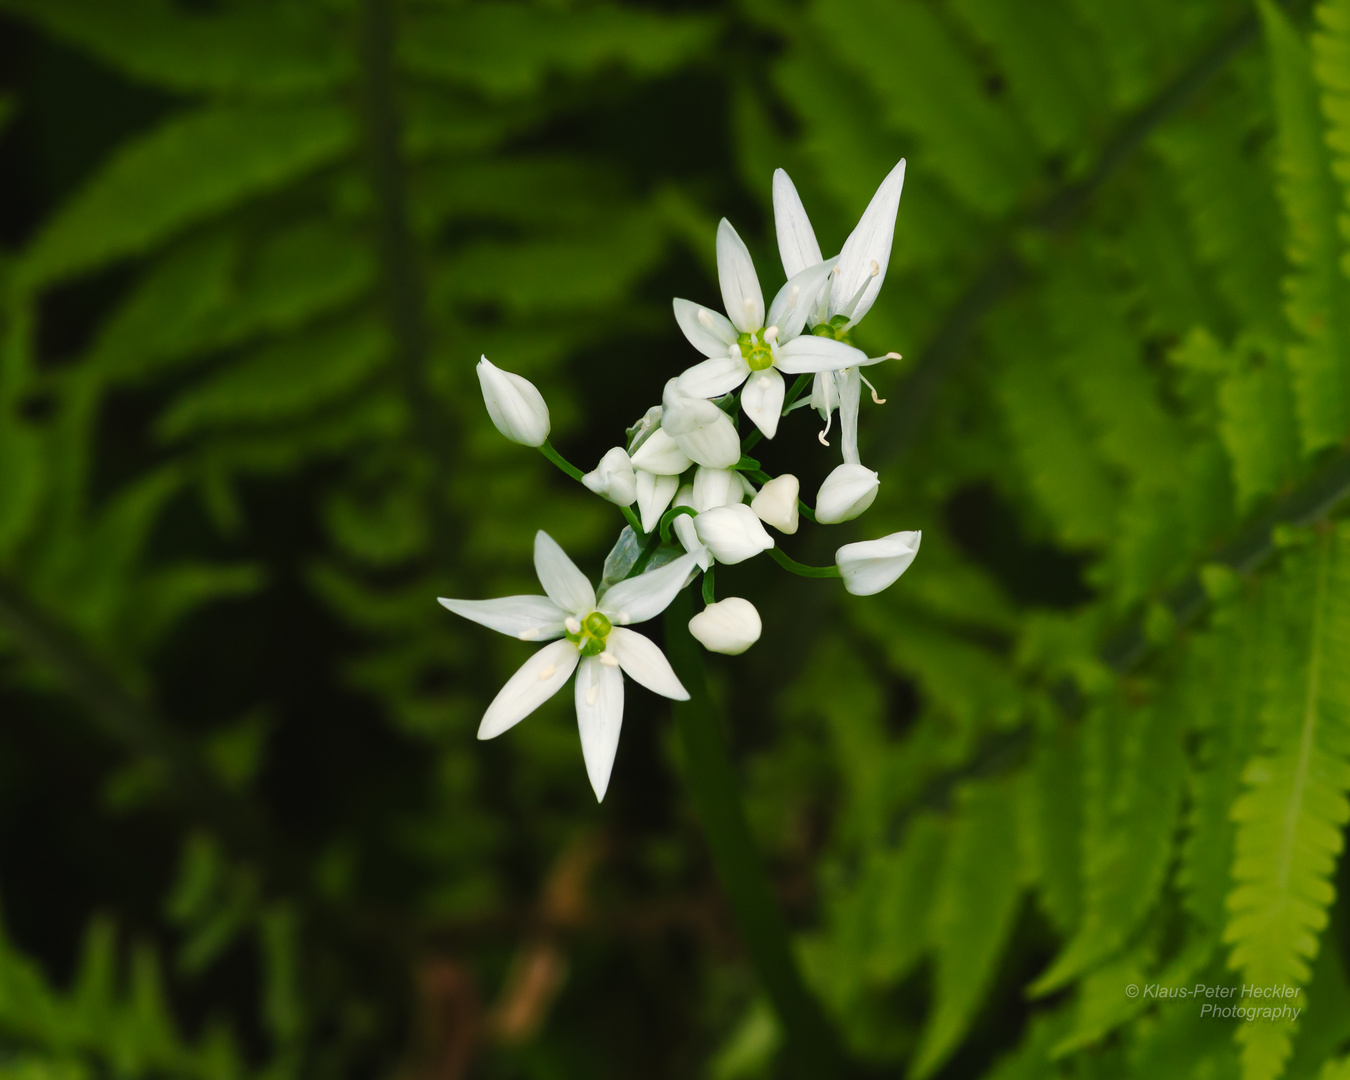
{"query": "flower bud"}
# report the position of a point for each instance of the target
(776, 503)
(682, 413)
(515, 404)
(873, 565)
(715, 445)
(732, 533)
(716, 487)
(613, 478)
(660, 454)
(846, 493)
(654, 493)
(729, 626)
(703, 431)
(683, 527)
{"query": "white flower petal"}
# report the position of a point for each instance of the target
(762, 400)
(847, 492)
(797, 299)
(682, 412)
(710, 332)
(537, 680)
(812, 353)
(732, 533)
(683, 528)
(660, 454)
(599, 719)
(716, 487)
(867, 251)
(729, 626)
(654, 493)
(824, 394)
(644, 663)
(714, 377)
(644, 597)
(565, 584)
(740, 286)
(530, 618)
(849, 382)
(873, 565)
(716, 445)
(797, 244)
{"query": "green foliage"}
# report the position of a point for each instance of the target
(1097, 736)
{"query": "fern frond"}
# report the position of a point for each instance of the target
(1317, 293)
(972, 916)
(1290, 816)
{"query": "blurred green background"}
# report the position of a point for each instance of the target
(250, 251)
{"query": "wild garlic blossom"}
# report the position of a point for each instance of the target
(700, 499)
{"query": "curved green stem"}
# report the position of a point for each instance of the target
(801, 569)
(566, 466)
(811, 1049)
(669, 517)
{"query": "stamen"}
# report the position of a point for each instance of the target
(734, 350)
(857, 297)
(893, 356)
(547, 672)
(771, 335)
(573, 626)
(875, 268)
(878, 400)
(821, 436)
(593, 694)
(607, 658)
(706, 318)
(619, 618)
(748, 306)
(529, 635)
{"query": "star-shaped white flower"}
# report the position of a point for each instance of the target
(748, 346)
(596, 644)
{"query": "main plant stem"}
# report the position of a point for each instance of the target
(811, 1049)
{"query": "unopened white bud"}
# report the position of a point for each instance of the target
(660, 454)
(716, 487)
(732, 533)
(715, 445)
(613, 478)
(873, 565)
(729, 626)
(515, 404)
(776, 503)
(846, 493)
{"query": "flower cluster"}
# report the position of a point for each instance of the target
(700, 499)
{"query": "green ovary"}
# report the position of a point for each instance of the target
(836, 328)
(755, 351)
(590, 640)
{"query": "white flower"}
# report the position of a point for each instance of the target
(748, 346)
(846, 493)
(596, 645)
(613, 478)
(732, 533)
(861, 267)
(700, 429)
(873, 565)
(514, 403)
(729, 626)
(776, 503)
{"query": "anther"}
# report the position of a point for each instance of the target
(705, 317)
(821, 436)
(547, 672)
(607, 658)
(876, 269)
(894, 356)
(878, 400)
(529, 635)
(573, 627)
(748, 306)
(734, 350)
(771, 334)
(593, 695)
